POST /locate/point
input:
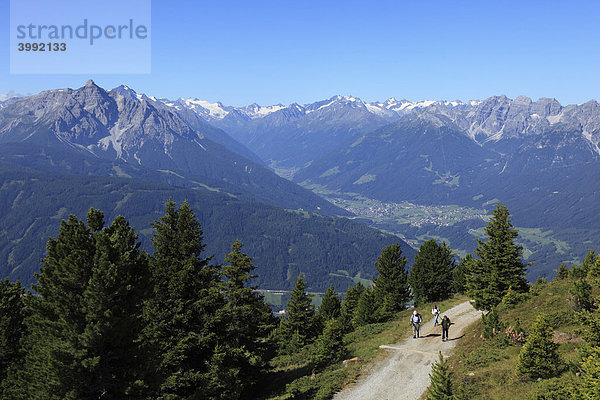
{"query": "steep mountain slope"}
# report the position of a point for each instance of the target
(120, 126)
(405, 165)
(497, 150)
(539, 158)
(193, 120)
(294, 135)
(413, 159)
(283, 243)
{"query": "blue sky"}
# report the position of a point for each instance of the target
(270, 52)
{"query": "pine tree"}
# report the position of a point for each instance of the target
(182, 329)
(12, 325)
(499, 265)
(431, 275)
(248, 321)
(365, 309)
(114, 300)
(582, 295)
(84, 328)
(349, 305)
(590, 327)
(511, 298)
(330, 345)
(588, 262)
(300, 317)
(52, 347)
(330, 305)
(591, 376)
(391, 285)
(594, 267)
(441, 381)
(491, 324)
(563, 271)
(539, 357)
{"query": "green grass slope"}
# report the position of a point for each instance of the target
(486, 368)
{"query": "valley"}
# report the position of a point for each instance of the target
(459, 226)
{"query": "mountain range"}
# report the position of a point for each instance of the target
(416, 169)
(58, 145)
(539, 157)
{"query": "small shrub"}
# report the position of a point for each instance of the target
(581, 293)
(541, 280)
(441, 381)
(561, 318)
(490, 352)
(577, 272)
(553, 389)
(539, 356)
(300, 389)
(591, 376)
(563, 271)
(512, 298)
(328, 383)
(330, 347)
(590, 327)
(594, 271)
(491, 324)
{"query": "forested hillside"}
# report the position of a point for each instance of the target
(283, 243)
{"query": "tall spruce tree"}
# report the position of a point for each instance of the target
(588, 262)
(329, 347)
(299, 321)
(114, 298)
(182, 328)
(441, 381)
(330, 305)
(431, 275)
(365, 309)
(581, 293)
(349, 305)
(594, 267)
(248, 321)
(53, 351)
(84, 328)
(12, 325)
(499, 265)
(391, 285)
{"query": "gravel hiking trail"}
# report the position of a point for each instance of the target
(404, 373)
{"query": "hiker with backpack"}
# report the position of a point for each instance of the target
(436, 313)
(445, 325)
(415, 320)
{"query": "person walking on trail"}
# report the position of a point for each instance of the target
(445, 326)
(415, 320)
(436, 313)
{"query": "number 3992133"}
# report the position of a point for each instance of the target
(42, 46)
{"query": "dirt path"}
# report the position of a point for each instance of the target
(404, 373)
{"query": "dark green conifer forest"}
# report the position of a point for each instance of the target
(108, 319)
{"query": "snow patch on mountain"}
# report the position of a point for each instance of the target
(113, 139)
(553, 119)
(255, 111)
(212, 110)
